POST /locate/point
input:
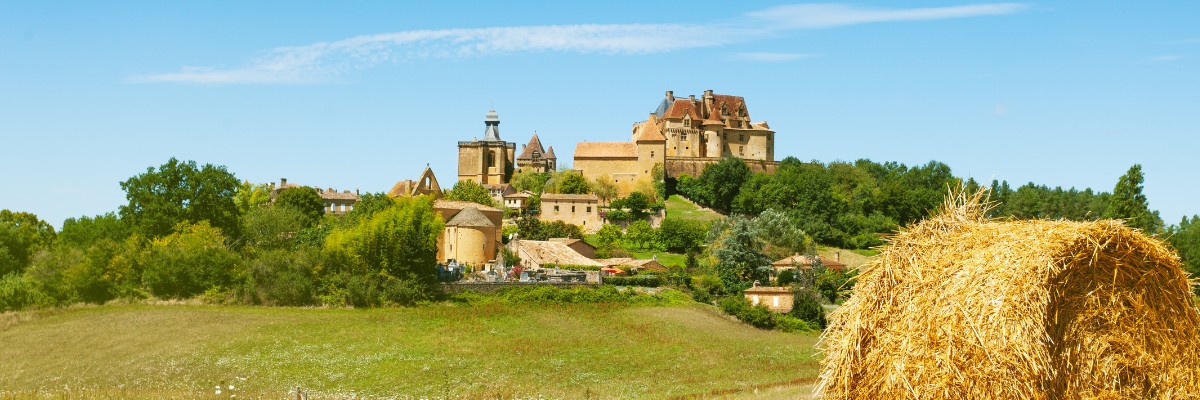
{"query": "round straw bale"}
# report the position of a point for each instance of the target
(962, 307)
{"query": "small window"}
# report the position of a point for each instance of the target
(741, 151)
(741, 138)
(651, 153)
(589, 209)
(683, 136)
(572, 209)
(555, 208)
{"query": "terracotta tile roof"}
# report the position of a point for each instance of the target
(541, 253)
(649, 131)
(615, 262)
(807, 262)
(769, 290)
(518, 195)
(584, 197)
(680, 108)
(606, 150)
(761, 124)
(403, 188)
(330, 194)
(470, 217)
(732, 105)
(571, 241)
(550, 153)
(644, 264)
(534, 145)
(462, 205)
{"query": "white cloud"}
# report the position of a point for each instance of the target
(324, 61)
(772, 57)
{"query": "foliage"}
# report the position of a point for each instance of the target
(305, 200)
(761, 317)
(1040, 202)
(250, 196)
(781, 234)
(720, 183)
(1185, 238)
(608, 237)
(470, 191)
(569, 182)
(534, 182)
(188, 262)
(180, 192)
(274, 227)
(548, 295)
(806, 306)
(1128, 203)
(84, 231)
(531, 228)
(604, 188)
(830, 283)
(21, 235)
(387, 259)
(645, 280)
(367, 205)
(740, 260)
(641, 235)
(636, 204)
(19, 291)
(682, 236)
(281, 277)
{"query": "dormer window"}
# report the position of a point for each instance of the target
(724, 111)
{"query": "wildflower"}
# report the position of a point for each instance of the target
(218, 391)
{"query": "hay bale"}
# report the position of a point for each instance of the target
(962, 307)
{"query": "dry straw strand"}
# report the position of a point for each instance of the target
(959, 306)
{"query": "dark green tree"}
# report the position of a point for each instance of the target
(304, 200)
(722, 182)
(470, 191)
(84, 231)
(1128, 203)
(573, 183)
(268, 228)
(21, 235)
(1185, 238)
(176, 192)
(740, 260)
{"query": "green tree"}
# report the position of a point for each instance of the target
(268, 228)
(470, 191)
(1128, 203)
(608, 238)
(178, 192)
(249, 196)
(740, 260)
(534, 182)
(189, 261)
(1185, 238)
(366, 207)
(723, 181)
(682, 236)
(390, 258)
(84, 231)
(781, 234)
(21, 235)
(305, 200)
(604, 188)
(572, 183)
(641, 235)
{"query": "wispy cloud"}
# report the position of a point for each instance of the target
(324, 61)
(1165, 58)
(816, 16)
(771, 57)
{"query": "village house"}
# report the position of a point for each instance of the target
(578, 245)
(335, 202)
(518, 201)
(575, 209)
(807, 261)
(777, 298)
(497, 191)
(472, 233)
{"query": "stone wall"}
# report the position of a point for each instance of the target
(677, 166)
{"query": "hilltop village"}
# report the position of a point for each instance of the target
(681, 135)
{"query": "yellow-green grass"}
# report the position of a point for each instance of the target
(437, 351)
(852, 258)
(664, 258)
(680, 207)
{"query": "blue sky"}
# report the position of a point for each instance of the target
(360, 96)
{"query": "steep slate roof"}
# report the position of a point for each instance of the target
(606, 150)
(582, 197)
(550, 153)
(680, 108)
(541, 253)
(807, 262)
(534, 144)
(470, 217)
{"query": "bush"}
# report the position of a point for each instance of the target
(547, 295)
(281, 277)
(807, 307)
(18, 292)
(189, 262)
(648, 280)
(761, 317)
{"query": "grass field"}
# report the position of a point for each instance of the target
(438, 351)
(680, 207)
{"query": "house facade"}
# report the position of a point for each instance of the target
(777, 298)
(575, 209)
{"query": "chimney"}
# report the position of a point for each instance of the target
(670, 96)
(837, 256)
(282, 182)
(692, 97)
(756, 283)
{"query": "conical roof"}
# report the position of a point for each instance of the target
(491, 132)
(534, 147)
(470, 217)
(550, 154)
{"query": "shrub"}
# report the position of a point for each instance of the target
(18, 291)
(758, 316)
(281, 277)
(807, 306)
(189, 262)
(648, 280)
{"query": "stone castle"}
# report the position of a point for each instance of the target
(682, 134)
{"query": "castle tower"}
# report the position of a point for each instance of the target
(487, 161)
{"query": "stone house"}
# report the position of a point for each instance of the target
(335, 202)
(575, 209)
(777, 298)
(806, 262)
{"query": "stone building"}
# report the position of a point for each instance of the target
(472, 233)
(575, 209)
(426, 184)
(535, 158)
(486, 161)
(777, 298)
(335, 202)
(682, 134)
(713, 126)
